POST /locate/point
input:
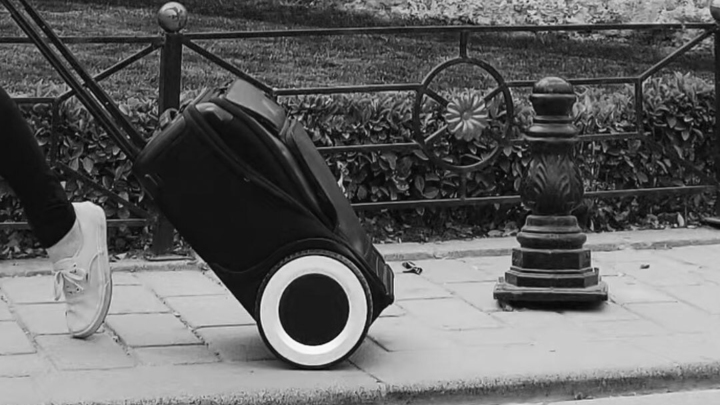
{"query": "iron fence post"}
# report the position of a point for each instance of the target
(716, 41)
(172, 18)
(715, 12)
(551, 264)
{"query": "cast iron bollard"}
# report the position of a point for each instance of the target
(551, 264)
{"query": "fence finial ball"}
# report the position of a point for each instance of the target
(715, 9)
(172, 16)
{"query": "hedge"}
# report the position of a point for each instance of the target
(678, 114)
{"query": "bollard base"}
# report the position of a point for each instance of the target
(506, 292)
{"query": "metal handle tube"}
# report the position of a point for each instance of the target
(94, 106)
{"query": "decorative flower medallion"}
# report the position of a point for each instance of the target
(467, 116)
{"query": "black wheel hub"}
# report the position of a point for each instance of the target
(314, 309)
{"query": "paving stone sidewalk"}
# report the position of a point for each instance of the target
(179, 337)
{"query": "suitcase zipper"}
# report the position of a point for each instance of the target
(248, 173)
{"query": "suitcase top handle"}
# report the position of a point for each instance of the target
(253, 100)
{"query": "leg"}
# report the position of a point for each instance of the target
(74, 235)
(23, 165)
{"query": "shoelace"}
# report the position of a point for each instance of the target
(67, 272)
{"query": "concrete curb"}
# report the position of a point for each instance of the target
(563, 387)
(42, 267)
(503, 390)
(597, 242)
(482, 247)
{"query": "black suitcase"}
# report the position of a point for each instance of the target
(245, 186)
(247, 189)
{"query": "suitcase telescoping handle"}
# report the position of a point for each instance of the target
(91, 94)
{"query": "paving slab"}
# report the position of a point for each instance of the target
(28, 290)
(479, 295)
(449, 314)
(135, 299)
(124, 278)
(450, 271)
(22, 391)
(5, 314)
(181, 283)
(142, 330)
(43, 319)
(13, 339)
(677, 316)
(412, 287)
(23, 365)
(98, 352)
(236, 343)
(174, 355)
(628, 290)
(210, 310)
(703, 296)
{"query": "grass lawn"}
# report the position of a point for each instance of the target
(311, 61)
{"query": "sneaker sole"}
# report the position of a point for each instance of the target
(106, 278)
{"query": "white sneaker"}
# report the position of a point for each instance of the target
(82, 271)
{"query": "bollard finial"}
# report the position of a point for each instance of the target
(715, 10)
(172, 17)
(553, 96)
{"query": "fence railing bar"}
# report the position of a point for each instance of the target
(650, 191)
(366, 88)
(514, 199)
(610, 137)
(33, 100)
(440, 203)
(116, 68)
(132, 222)
(433, 29)
(409, 146)
(376, 147)
(676, 54)
(99, 187)
(225, 65)
(589, 81)
(91, 40)
(435, 96)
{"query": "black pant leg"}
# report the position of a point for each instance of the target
(24, 167)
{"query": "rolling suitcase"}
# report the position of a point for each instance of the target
(246, 187)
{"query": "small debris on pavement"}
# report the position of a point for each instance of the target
(411, 268)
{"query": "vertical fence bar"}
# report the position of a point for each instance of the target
(464, 44)
(639, 107)
(54, 135)
(170, 85)
(716, 40)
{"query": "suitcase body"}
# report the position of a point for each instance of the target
(245, 186)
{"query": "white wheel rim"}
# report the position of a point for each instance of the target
(339, 346)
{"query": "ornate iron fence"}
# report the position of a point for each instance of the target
(173, 41)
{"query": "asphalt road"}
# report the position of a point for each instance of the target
(706, 397)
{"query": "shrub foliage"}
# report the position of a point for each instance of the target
(678, 115)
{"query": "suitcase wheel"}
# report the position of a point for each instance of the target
(314, 309)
